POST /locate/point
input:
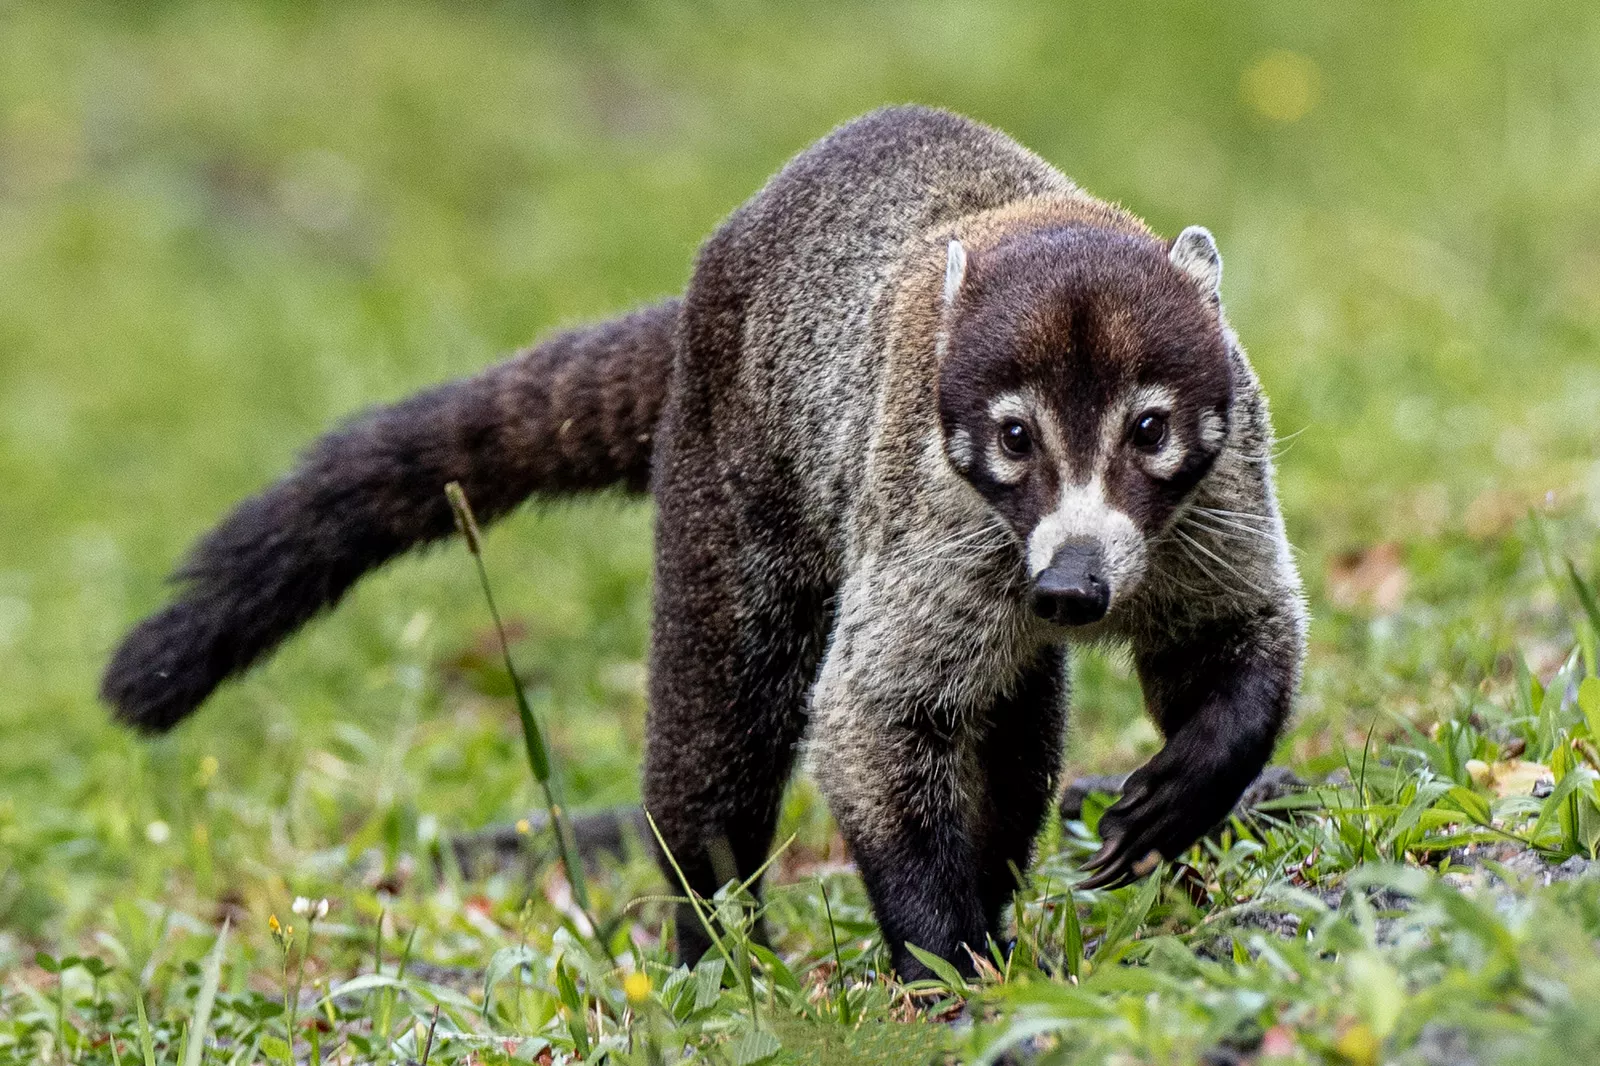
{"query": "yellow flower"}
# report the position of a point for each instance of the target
(524, 826)
(637, 986)
(272, 923)
(1359, 1046)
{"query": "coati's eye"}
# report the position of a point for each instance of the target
(1150, 431)
(1015, 438)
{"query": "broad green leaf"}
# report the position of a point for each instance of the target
(776, 969)
(147, 1047)
(567, 989)
(1471, 804)
(1589, 704)
(756, 1045)
(1072, 935)
(942, 968)
(1122, 929)
(1375, 986)
(1586, 596)
(708, 982)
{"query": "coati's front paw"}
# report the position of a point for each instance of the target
(1163, 810)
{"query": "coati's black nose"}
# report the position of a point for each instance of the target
(1071, 591)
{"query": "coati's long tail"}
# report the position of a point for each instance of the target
(574, 413)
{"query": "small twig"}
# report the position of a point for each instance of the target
(427, 1048)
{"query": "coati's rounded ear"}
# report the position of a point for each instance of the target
(1194, 251)
(955, 270)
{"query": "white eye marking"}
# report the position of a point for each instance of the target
(1002, 467)
(1083, 514)
(1212, 429)
(960, 450)
(1149, 398)
(1165, 460)
(1164, 463)
(1010, 405)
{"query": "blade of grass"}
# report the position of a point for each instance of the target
(838, 959)
(704, 915)
(147, 1044)
(532, 736)
(201, 1024)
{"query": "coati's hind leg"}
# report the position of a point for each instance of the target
(738, 636)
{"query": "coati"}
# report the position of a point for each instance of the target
(926, 415)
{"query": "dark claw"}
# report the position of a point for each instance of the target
(1109, 864)
(1111, 877)
(1099, 858)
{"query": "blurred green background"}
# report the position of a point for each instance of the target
(225, 226)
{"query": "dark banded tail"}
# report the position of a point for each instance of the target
(575, 413)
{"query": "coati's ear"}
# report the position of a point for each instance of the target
(955, 270)
(1194, 252)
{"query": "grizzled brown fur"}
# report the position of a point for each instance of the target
(928, 413)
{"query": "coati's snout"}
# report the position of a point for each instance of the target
(1072, 590)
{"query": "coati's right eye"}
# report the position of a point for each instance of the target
(1015, 438)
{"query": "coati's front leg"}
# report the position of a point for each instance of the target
(1220, 696)
(938, 751)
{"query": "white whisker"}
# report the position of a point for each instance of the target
(1220, 560)
(1233, 514)
(1199, 564)
(1223, 527)
(972, 544)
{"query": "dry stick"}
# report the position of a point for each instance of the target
(427, 1049)
(533, 738)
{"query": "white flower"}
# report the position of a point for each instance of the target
(322, 908)
(301, 906)
(157, 832)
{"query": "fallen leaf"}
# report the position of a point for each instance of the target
(1508, 777)
(1373, 578)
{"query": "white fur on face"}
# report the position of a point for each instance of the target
(960, 450)
(1006, 407)
(1083, 514)
(1160, 399)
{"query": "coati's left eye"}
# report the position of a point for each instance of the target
(1150, 431)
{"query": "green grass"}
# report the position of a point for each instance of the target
(225, 226)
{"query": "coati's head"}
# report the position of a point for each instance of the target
(1085, 391)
